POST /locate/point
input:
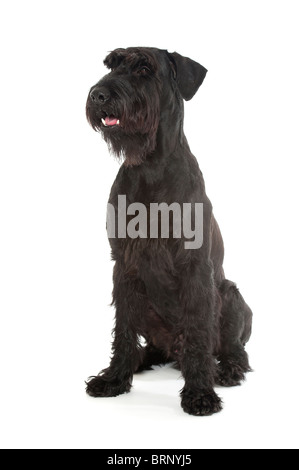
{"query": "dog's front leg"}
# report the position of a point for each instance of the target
(129, 300)
(197, 362)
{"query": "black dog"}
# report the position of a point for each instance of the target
(177, 299)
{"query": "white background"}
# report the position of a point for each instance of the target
(55, 178)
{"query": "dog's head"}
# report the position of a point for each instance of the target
(144, 87)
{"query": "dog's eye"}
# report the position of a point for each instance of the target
(143, 70)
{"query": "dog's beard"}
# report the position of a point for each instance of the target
(131, 149)
(134, 136)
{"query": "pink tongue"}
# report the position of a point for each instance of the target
(110, 121)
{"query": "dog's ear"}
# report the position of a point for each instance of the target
(188, 74)
(114, 58)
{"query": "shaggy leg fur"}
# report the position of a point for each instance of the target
(197, 362)
(235, 331)
(129, 300)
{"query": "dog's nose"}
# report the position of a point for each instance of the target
(99, 95)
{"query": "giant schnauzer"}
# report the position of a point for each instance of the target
(176, 298)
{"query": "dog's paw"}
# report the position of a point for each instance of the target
(200, 404)
(99, 387)
(230, 374)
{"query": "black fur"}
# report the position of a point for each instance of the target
(177, 299)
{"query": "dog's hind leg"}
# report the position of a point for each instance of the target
(235, 330)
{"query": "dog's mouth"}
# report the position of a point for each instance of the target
(110, 120)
